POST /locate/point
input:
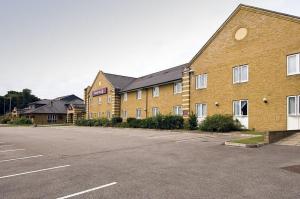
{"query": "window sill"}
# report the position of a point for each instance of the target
(201, 88)
(293, 74)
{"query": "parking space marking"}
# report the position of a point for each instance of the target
(190, 139)
(35, 171)
(6, 145)
(11, 150)
(23, 158)
(89, 190)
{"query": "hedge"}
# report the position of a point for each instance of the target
(21, 121)
(158, 122)
(220, 123)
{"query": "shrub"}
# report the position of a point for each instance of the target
(105, 122)
(122, 125)
(116, 120)
(171, 122)
(192, 123)
(5, 120)
(219, 123)
(21, 121)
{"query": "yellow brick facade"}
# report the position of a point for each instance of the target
(102, 108)
(269, 38)
(165, 102)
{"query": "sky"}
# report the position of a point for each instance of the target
(57, 47)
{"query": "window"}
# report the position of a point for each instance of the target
(138, 114)
(108, 99)
(178, 110)
(240, 74)
(52, 118)
(99, 114)
(108, 114)
(177, 87)
(90, 115)
(125, 97)
(99, 100)
(240, 108)
(139, 94)
(155, 111)
(293, 64)
(124, 114)
(201, 81)
(294, 105)
(155, 92)
(201, 110)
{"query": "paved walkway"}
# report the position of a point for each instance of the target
(293, 140)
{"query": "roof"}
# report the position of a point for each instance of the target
(119, 81)
(158, 78)
(54, 107)
(250, 8)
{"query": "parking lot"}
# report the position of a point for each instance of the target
(82, 162)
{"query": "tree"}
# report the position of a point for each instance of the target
(17, 99)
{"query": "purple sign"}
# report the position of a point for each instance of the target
(101, 91)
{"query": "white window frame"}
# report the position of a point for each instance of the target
(108, 99)
(52, 118)
(125, 97)
(203, 111)
(297, 55)
(125, 114)
(108, 115)
(239, 74)
(177, 88)
(155, 91)
(202, 78)
(177, 110)
(99, 100)
(139, 94)
(240, 108)
(296, 108)
(138, 113)
(155, 111)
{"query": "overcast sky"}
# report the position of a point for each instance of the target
(56, 47)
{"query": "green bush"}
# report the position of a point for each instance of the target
(105, 122)
(5, 120)
(21, 121)
(116, 120)
(192, 123)
(134, 123)
(171, 122)
(219, 123)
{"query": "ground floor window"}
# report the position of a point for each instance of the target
(201, 110)
(155, 111)
(177, 110)
(125, 115)
(108, 115)
(52, 118)
(294, 105)
(138, 114)
(240, 108)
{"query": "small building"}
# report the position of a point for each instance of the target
(61, 110)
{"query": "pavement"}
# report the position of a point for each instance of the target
(83, 162)
(293, 140)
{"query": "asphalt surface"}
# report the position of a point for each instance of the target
(79, 162)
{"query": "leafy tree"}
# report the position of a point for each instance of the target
(18, 99)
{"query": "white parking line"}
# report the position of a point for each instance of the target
(23, 158)
(6, 145)
(29, 172)
(190, 139)
(89, 190)
(11, 150)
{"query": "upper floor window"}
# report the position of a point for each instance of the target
(138, 113)
(125, 97)
(201, 81)
(201, 110)
(155, 91)
(99, 100)
(293, 64)
(178, 110)
(139, 94)
(240, 74)
(155, 111)
(108, 99)
(177, 87)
